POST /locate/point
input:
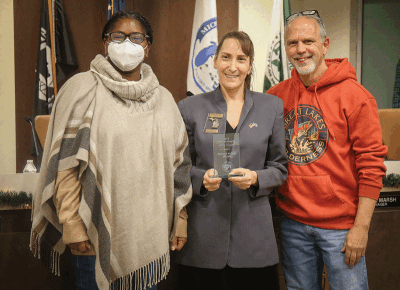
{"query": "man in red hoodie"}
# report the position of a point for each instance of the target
(335, 151)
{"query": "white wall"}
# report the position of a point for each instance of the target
(7, 88)
(255, 18)
(336, 16)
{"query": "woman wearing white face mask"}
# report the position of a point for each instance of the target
(127, 44)
(116, 169)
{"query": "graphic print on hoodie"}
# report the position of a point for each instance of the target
(312, 138)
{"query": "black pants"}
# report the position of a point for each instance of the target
(192, 278)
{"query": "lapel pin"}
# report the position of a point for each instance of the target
(212, 124)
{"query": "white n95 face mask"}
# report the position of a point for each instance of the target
(126, 55)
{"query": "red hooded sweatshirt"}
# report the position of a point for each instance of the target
(334, 146)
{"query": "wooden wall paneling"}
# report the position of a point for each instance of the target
(156, 12)
(227, 16)
(129, 4)
(18, 268)
(172, 23)
(26, 36)
(86, 20)
(383, 255)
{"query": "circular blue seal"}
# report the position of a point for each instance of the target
(202, 60)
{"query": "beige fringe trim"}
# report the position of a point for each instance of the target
(45, 253)
(147, 276)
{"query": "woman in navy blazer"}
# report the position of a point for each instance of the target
(231, 242)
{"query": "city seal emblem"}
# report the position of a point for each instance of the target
(227, 166)
(202, 59)
(274, 69)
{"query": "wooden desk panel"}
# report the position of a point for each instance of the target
(383, 253)
(19, 270)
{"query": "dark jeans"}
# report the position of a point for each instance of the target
(228, 278)
(86, 274)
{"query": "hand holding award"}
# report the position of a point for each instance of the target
(226, 151)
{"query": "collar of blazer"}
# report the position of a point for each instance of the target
(247, 105)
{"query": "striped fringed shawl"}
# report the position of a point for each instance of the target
(130, 143)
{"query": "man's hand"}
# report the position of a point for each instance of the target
(355, 245)
(357, 238)
(80, 246)
(178, 243)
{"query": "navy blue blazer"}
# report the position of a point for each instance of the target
(231, 226)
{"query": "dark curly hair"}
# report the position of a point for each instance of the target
(131, 15)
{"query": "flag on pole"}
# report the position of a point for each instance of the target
(202, 76)
(45, 83)
(44, 87)
(278, 67)
(115, 6)
(66, 60)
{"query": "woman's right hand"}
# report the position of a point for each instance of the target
(211, 184)
(80, 246)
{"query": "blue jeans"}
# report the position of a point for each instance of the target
(304, 251)
(86, 275)
(85, 272)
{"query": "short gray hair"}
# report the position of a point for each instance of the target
(322, 29)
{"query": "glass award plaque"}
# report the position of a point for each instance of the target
(226, 154)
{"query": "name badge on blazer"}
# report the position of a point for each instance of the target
(213, 123)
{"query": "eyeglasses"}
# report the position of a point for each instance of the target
(303, 13)
(135, 37)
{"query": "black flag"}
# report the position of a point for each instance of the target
(66, 61)
(44, 88)
(65, 51)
